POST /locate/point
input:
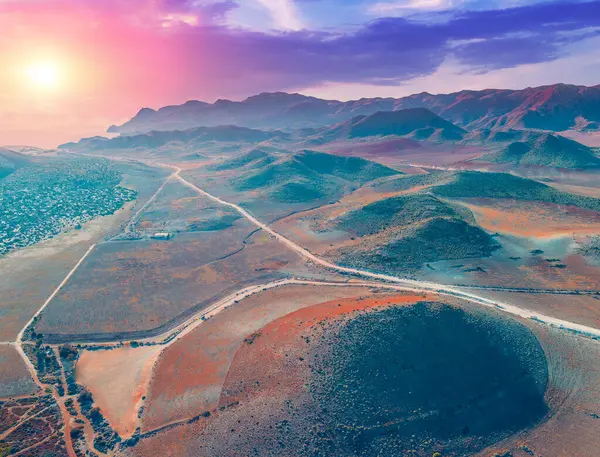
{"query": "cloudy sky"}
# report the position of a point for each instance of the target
(70, 68)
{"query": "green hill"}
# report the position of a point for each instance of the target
(309, 176)
(436, 239)
(11, 161)
(256, 156)
(396, 211)
(417, 123)
(548, 150)
(353, 169)
(297, 192)
(474, 184)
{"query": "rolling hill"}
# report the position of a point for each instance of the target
(442, 234)
(394, 212)
(556, 107)
(256, 157)
(546, 149)
(194, 136)
(474, 184)
(309, 175)
(11, 161)
(416, 123)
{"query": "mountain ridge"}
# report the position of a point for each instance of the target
(554, 107)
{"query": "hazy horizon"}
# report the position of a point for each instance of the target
(73, 68)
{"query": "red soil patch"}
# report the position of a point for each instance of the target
(270, 363)
(258, 361)
(118, 379)
(539, 220)
(190, 372)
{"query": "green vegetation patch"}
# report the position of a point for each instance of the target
(546, 150)
(395, 211)
(259, 156)
(297, 192)
(286, 170)
(474, 184)
(425, 379)
(347, 168)
(311, 176)
(406, 182)
(40, 201)
(436, 239)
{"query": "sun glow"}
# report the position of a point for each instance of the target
(44, 75)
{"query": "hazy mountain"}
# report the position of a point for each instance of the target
(557, 107)
(546, 149)
(417, 123)
(155, 139)
(11, 161)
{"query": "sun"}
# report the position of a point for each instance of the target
(44, 75)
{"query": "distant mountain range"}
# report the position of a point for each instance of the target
(193, 136)
(416, 126)
(557, 107)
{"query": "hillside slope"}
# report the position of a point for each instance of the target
(394, 212)
(546, 149)
(255, 157)
(309, 175)
(474, 184)
(11, 161)
(417, 123)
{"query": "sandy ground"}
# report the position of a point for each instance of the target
(118, 379)
(528, 219)
(591, 139)
(586, 191)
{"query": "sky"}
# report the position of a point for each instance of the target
(71, 68)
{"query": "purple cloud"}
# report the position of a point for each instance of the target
(388, 50)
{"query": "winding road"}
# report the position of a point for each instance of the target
(409, 283)
(373, 280)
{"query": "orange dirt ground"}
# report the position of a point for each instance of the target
(189, 373)
(118, 379)
(261, 357)
(538, 220)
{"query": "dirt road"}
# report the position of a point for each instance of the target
(417, 285)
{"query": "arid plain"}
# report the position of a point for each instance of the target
(392, 284)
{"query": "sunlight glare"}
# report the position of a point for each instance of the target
(44, 75)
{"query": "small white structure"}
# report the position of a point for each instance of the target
(162, 236)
